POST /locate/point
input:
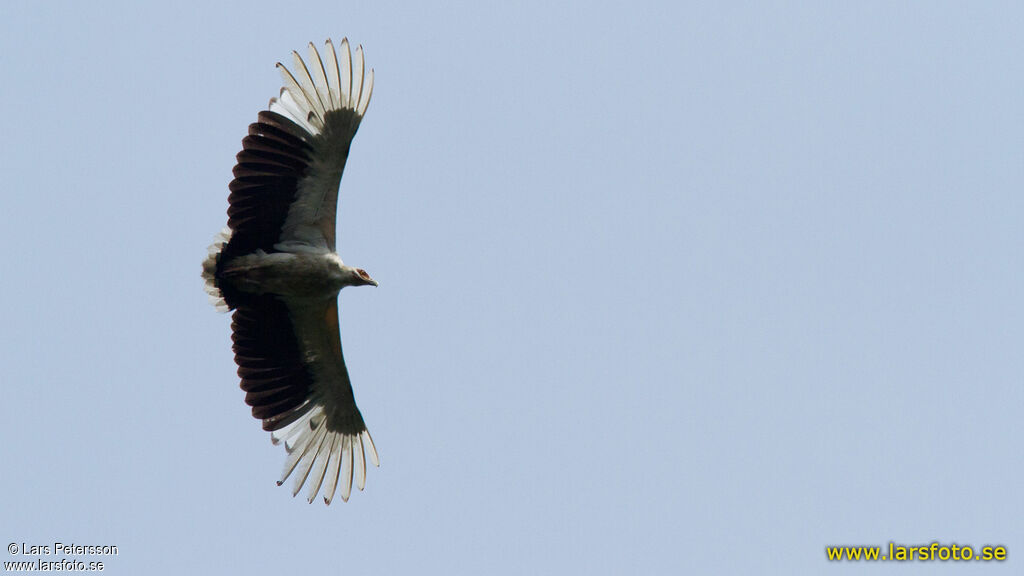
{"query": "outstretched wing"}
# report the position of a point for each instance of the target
(293, 372)
(284, 195)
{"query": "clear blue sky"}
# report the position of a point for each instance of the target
(665, 288)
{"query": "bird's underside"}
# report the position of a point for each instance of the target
(276, 268)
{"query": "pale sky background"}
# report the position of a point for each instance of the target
(666, 288)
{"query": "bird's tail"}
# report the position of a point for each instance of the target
(210, 270)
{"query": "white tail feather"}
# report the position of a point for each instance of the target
(210, 270)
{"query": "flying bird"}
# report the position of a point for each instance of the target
(276, 267)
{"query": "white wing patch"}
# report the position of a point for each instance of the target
(314, 90)
(322, 457)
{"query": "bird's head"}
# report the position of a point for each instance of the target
(359, 277)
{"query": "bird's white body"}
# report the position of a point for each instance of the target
(308, 273)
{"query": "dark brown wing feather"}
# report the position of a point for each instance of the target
(275, 156)
(275, 378)
(289, 357)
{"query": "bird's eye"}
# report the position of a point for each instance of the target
(363, 273)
